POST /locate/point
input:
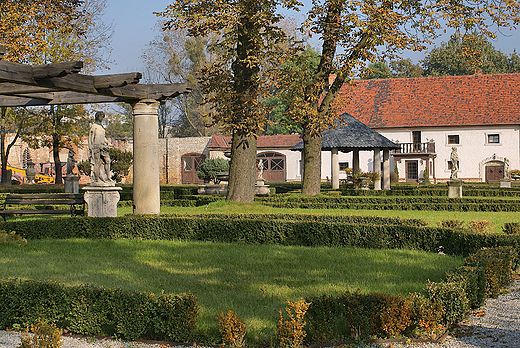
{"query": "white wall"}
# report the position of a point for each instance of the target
(473, 149)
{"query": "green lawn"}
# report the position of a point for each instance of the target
(432, 217)
(252, 280)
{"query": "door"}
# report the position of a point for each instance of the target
(412, 171)
(274, 166)
(494, 173)
(190, 162)
(416, 137)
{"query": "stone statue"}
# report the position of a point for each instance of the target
(100, 174)
(260, 170)
(454, 158)
(71, 161)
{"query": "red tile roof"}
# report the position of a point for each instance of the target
(264, 141)
(434, 101)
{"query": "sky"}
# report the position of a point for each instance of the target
(135, 27)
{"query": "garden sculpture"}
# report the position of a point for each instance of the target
(99, 157)
(454, 158)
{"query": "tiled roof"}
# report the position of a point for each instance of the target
(434, 101)
(263, 142)
(352, 134)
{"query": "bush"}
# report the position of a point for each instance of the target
(46, 335)
(426, 317)
(232, 329)
(453, 297)
(290, 331)
(98, 311)
(209, 169)
(511, 228)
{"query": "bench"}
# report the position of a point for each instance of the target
(75, 202)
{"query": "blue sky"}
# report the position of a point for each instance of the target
(135, 22)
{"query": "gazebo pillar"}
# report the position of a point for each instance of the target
(355, 161)
(377, 167)
(386, 169)
(146, 190)
(334, 162)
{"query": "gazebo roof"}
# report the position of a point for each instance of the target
(350, 135)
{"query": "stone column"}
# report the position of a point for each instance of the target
(355, 161)
(386, 169)
(334, 173)
(377, 168)
(146, 188)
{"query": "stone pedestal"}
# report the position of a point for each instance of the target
(455, 188)
(71, 183)
(506, 183)
(261, 188)
(212, 190)
(102, 200)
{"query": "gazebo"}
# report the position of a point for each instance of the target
(352, 135)
(61, 83)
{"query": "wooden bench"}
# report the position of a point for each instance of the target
(75, 202)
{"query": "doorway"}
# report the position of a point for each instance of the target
(412, 171)
(494, 173)
(190, 163)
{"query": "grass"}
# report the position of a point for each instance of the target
(433, 218)
(252, 280)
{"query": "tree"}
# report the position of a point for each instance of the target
(121, 124)
(368, 31)
(120, 162)
(397, 69)
(467, 54)
(173, 56)
(236, 82)
(209, 169)
(56, 31)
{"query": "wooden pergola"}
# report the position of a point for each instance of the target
(61, 83)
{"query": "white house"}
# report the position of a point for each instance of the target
(479, 115)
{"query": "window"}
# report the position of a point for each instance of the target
(493, 138)
(453, 139)
(343, 165)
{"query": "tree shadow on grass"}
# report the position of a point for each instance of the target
(252, 280)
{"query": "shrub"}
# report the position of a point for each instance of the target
(426, 317)
(46, 335)
(209, 169)
(474, 282)
(392, 315)
(452, 296)
(511, 228)
(496, 264)
(12, 238)
(290, 332)
(98, 311)
(232, 329)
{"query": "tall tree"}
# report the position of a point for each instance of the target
(397, 69)
(467, 54)
(236, 83)
(57, 31)
(173, 56)
(368, 31)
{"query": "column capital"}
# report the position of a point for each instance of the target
(146, 107)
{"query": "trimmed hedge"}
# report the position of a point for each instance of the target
(392, 203)
(98, 311)
(305, 230)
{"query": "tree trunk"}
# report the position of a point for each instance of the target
(311, 163)
(57, 161)
(3, 155)
(242, 170)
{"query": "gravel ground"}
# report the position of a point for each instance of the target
(495, 325)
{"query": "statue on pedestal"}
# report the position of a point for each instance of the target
(454, 159)
(98, 146)
(71, 161)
